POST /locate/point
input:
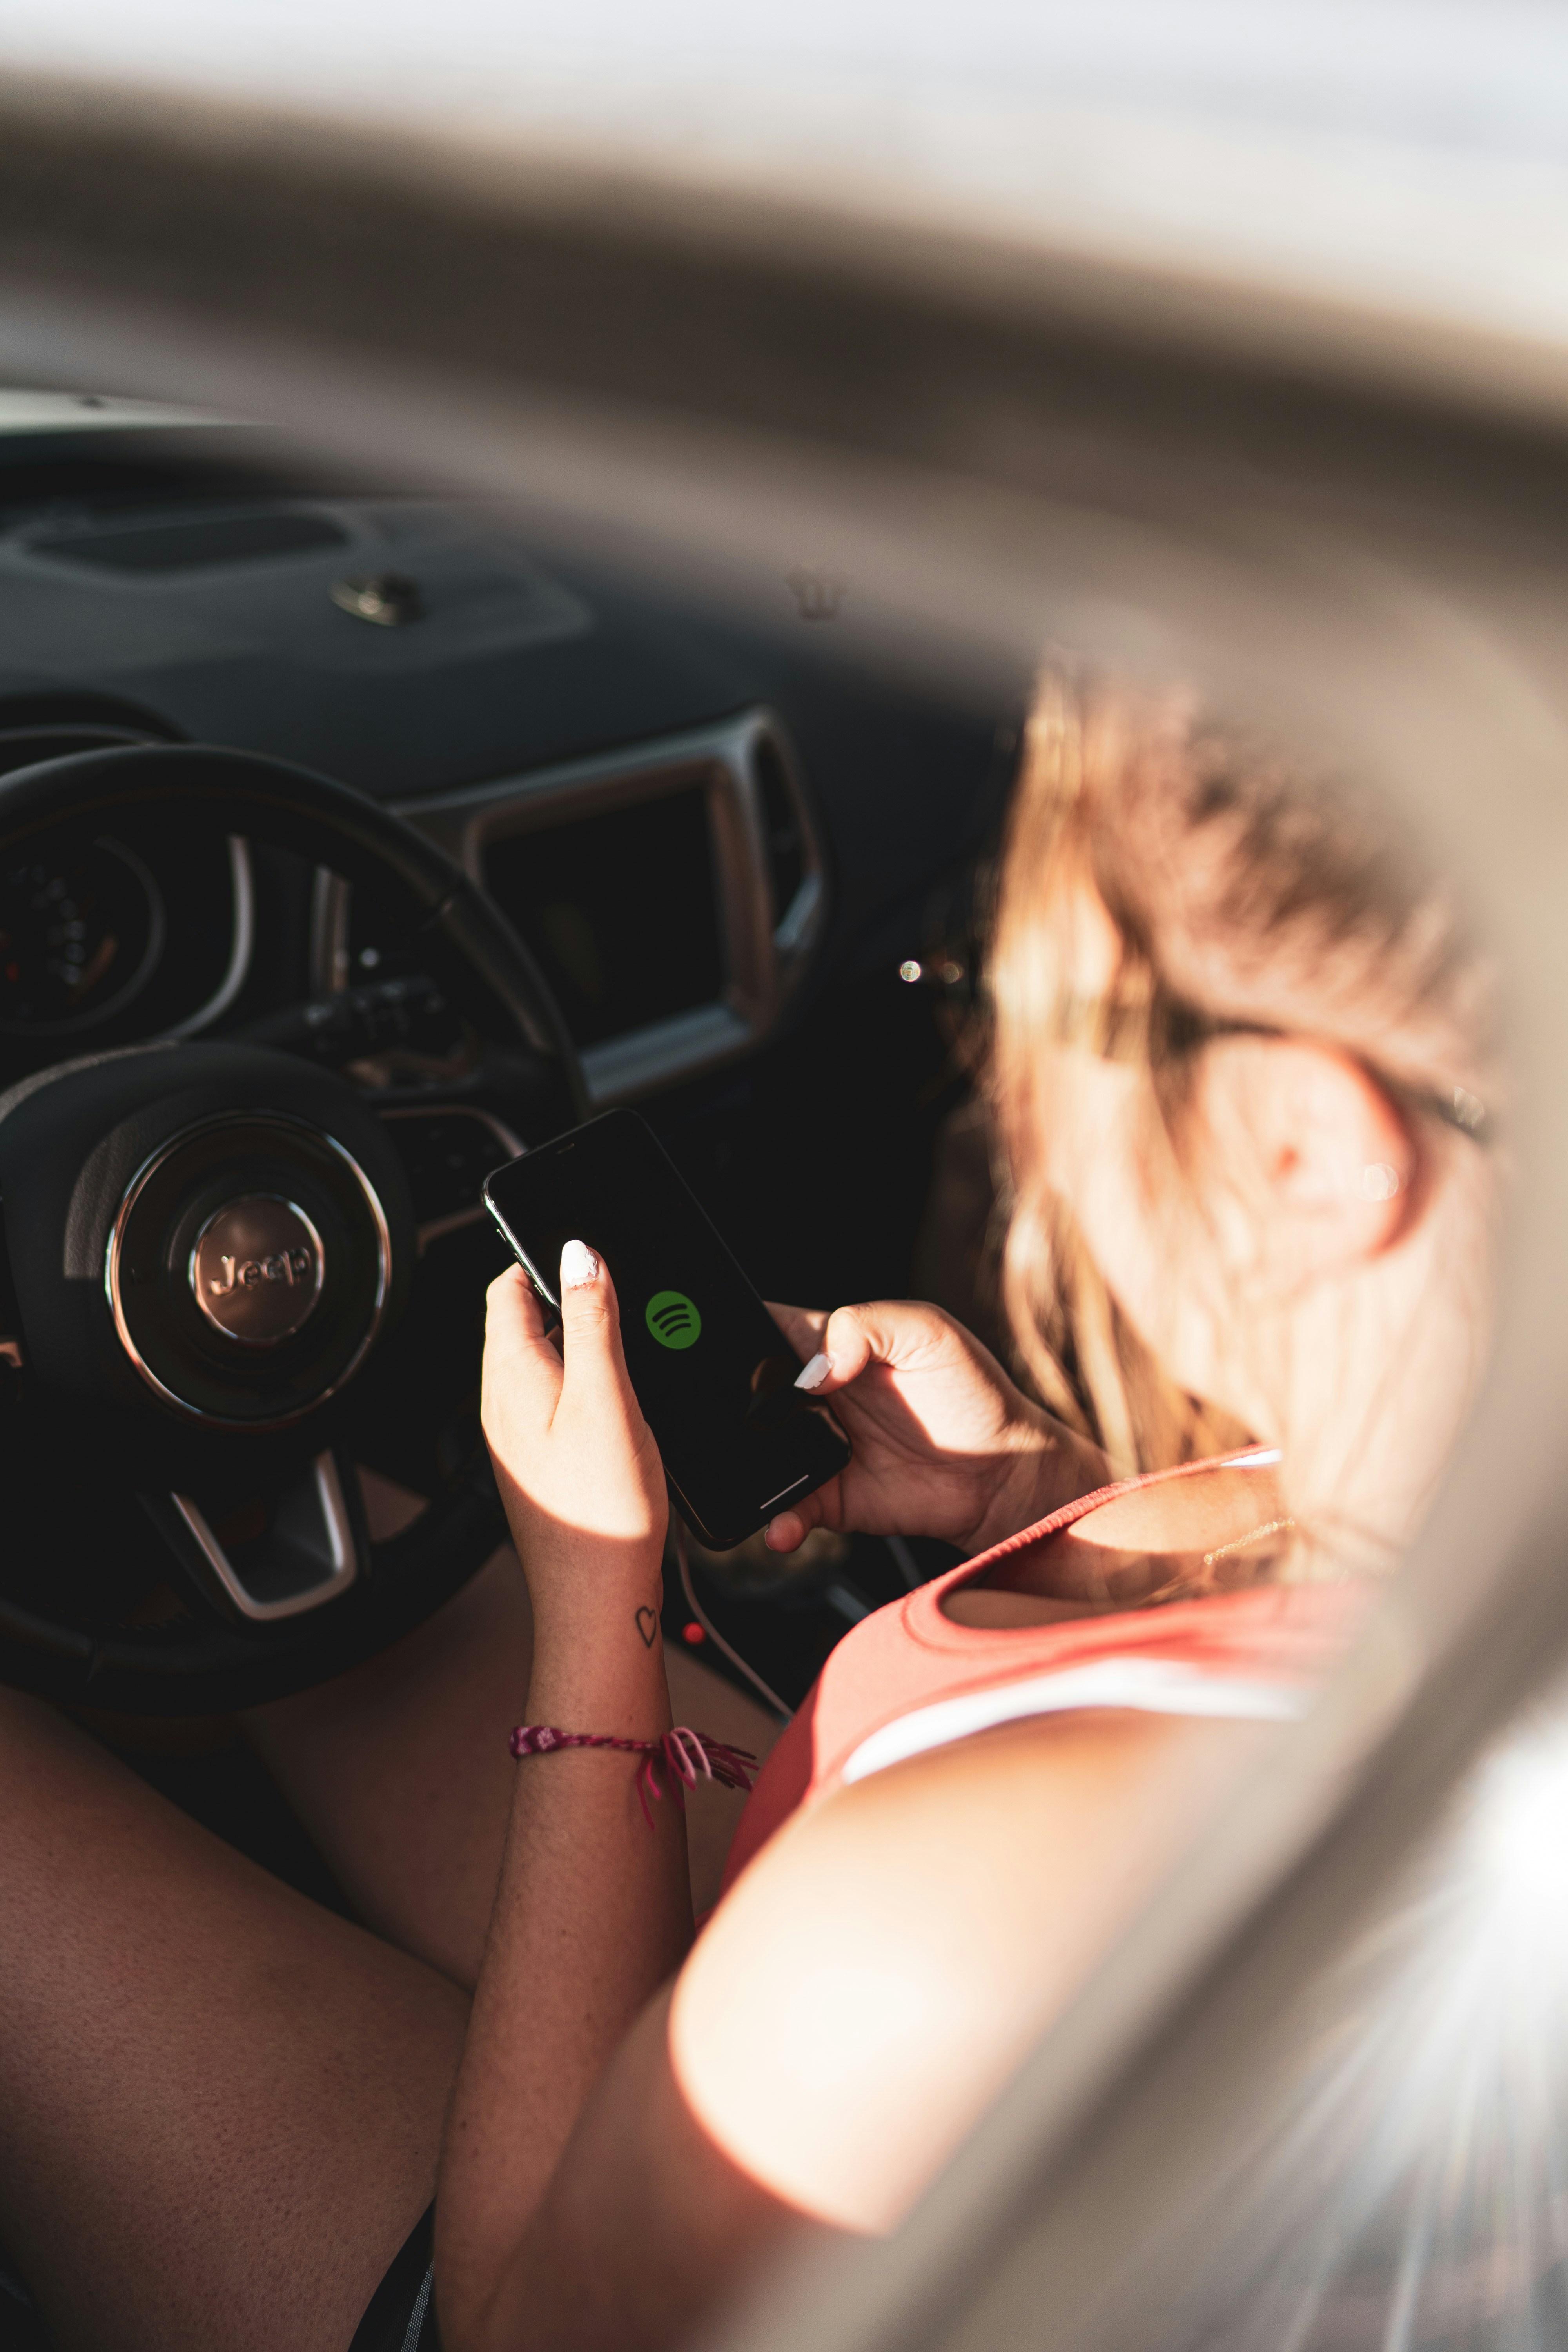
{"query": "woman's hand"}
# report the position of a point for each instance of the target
(945, 1443)
(576, 1464)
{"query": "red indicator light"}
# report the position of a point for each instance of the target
(692, 1633)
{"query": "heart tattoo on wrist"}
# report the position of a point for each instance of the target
(647, 1624)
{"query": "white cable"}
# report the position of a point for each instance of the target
(904, 1561)
(714, 1635)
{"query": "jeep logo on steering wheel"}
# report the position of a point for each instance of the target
(256, 1269)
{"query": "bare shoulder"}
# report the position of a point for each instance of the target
(883, 1965)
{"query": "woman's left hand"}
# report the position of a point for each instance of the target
(579, 1472)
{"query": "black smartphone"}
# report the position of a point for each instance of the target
(714, 1372)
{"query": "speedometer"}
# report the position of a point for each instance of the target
(79, 936)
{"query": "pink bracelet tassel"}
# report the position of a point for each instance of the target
(688, 1755)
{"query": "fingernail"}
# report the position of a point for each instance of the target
(579, 1266)
(1379, 1182)
(812, 1375)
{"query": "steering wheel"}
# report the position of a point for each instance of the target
(221, 1300)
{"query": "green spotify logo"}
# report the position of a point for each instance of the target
(673, 1319)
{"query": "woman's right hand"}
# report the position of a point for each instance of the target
(945, 1443)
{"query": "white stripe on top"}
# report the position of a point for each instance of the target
(1151, 1685)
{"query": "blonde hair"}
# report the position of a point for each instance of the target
(1243, 889)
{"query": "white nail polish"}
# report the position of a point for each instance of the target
(579, 1266)
(812, 1375)
(1379, 1182)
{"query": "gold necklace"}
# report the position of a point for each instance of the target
(1268, 1528)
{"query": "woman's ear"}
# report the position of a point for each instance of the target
(1313, 1167)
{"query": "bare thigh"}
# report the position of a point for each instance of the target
(223, 2105)
(402, 1774)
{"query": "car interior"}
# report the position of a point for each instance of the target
(742, 863)
(612, 700)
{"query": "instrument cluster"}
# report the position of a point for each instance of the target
(117, 937)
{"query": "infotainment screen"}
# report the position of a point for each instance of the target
(620, 909)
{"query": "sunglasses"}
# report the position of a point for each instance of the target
(1167, 1028)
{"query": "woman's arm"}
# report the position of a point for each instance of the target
(593, 1912)
(647, 2227)
(874, 1978)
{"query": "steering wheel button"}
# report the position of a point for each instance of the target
(256, 1269)
(248, 1267)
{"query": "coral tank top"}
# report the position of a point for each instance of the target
(907, 1678)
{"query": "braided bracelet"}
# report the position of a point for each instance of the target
(687, 1754)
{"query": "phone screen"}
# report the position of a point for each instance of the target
(712, 1371)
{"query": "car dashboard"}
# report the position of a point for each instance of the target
(694, 820)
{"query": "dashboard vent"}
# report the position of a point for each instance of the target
(191, 542)
(782, 836)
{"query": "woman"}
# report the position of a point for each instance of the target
(1238, 1071)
